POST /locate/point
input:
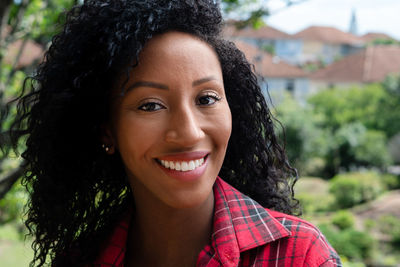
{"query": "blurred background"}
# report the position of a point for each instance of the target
(330, 71)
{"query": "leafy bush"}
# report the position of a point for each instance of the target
(355, 145)
(313, 194)
(305, 141)
(350, 243)
(357, 123)
(394, 148)
(390, 225)
(12, 205)
(343, 219)
(355, 188)
(372, 150)
(312, 203)
(391, 181)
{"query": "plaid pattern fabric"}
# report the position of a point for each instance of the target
(245, 234)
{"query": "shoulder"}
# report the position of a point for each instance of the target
(267, 236)
(305, 242)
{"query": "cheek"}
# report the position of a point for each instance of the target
(135, 137)
(223, 127)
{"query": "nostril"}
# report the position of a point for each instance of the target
(184, 134)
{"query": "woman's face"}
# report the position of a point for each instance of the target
(173, 124)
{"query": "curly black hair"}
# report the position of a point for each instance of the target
(77, 192)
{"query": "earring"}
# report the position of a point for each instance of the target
(106, 148)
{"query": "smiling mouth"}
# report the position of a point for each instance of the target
(182, 166)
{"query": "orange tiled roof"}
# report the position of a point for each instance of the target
(265, 32)
(369, 37)
(328, 35)
(267, 65)
(372, 64)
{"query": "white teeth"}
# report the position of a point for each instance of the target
(182, 165)
(177, 166)
(192, 166)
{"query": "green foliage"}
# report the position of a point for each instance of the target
(343, 219)
(382, 41)
(270, 49)
(394, 147)
(369, 224)
(15, 250)
(392, 85)
(12, 205)
(340, 106)
(357, 146)
(372, 150)
(250, 12)
(313, 194)
(355, 188)
(390, 106)
(342, 128)
(311, 203)
(391, 181)
(305, 142)
(355, 124)
(350, 243)
(390, 225)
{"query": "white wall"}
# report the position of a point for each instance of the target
(278, 86)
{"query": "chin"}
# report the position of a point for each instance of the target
(190, 199)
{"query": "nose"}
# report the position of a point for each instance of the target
(184, 127)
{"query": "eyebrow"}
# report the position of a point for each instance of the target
(147, 84)
(203, 80)
(165, 87)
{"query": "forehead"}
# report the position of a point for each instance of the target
(177, 52)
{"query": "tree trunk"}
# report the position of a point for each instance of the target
(4, 12)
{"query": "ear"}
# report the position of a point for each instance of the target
(107, 139)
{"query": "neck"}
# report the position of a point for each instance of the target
(164, 236)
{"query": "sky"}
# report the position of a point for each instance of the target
(372, 15)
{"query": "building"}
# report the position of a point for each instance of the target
(267, 38)
(311, 45)
(326, 44)
(370, 65)
(353, 28)
(373, 36)
(275, 75)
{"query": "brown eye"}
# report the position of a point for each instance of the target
(208, 99)
(150, 106)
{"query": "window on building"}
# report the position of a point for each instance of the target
(290, 86)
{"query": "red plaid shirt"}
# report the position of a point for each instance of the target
(244, 234)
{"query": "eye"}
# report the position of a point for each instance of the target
(208, 99)
(150, 106)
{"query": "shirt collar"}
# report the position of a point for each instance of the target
(114, 248)
(240, 224)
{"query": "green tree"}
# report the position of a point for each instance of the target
(250, 12)
(305, 141)
(359, 121)
(390, 105)
(21, 22)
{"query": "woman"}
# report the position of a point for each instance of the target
(135, 111)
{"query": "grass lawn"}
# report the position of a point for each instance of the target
(14, 252)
